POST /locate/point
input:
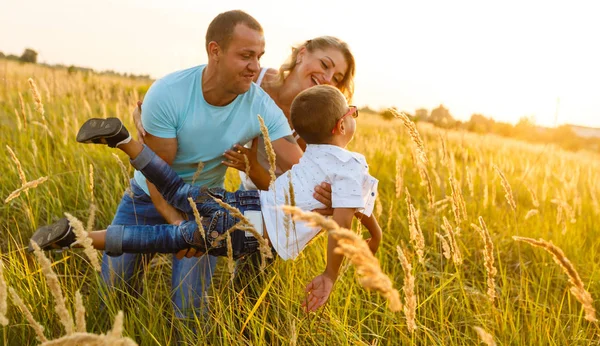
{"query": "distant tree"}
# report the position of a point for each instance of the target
(480, 124)
(2, 55)
(365, 109)
(72, 69)
(29, 55)
(441, 117)
(421, 114)
(12, 57)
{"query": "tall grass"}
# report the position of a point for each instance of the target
(532, 303)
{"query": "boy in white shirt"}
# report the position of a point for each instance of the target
(323, 119)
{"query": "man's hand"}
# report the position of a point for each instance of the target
(318, 291)
(235, 157)
(188, 253)
(323, 195)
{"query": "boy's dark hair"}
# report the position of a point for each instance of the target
(315, 112)
(221, 28)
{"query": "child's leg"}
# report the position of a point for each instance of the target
(118, 239)
(170, 185)
(113, 133)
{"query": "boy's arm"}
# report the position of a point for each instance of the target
(372, 226)
(166, 149)
(287, 151)
(320, 287)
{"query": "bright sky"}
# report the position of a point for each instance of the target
(504, 59)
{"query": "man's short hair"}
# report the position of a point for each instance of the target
(315, 112)
(221, 28)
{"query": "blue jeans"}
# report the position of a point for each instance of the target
(190, 278)
(165, 238)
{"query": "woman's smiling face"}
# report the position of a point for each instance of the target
(321, 66)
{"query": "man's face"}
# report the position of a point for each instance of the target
(239, 62)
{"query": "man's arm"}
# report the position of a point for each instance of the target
(166, 149)
(320, 287)
(288, 152)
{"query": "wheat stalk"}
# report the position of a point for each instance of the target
(410, 299)
(198, 219)
(37, 98)
(578, 288)
(414, 228)
(268, 148)
(198, 171)
(531, 213)
(488, 257)
(399, 179)
(84, 240)
(79, 313)
(28, 185)
(13, 156)
(414, 135)
(456, 255)
(22, 105)
(446, 251)
(485, 337)
(61, 307)
(507, 189)
(458, 201)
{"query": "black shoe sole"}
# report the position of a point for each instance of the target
(98, 130)
(53, 234)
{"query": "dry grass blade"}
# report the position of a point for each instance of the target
(246, 165)
(410, 299)
(485, 337)
(84, 240)
(578, 289)
(22, 105)
(28, 185)
(357, 251)
(61, 307)
(13, 156)
(458, 201)
(39, 330)
(3, 296)
(230, 261)
(399, 178)
(268, 148)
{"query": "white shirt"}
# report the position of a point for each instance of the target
(351, 187)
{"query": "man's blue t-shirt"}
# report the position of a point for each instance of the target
(174, 107)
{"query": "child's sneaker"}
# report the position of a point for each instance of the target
(58, 235)
(108, 131)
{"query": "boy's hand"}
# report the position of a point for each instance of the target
(318, 291)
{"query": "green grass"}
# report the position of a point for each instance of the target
(534, 306)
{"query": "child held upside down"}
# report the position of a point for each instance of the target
(323, 119)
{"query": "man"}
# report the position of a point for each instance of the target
(193, 116)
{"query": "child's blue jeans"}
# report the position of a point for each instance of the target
(216, 220)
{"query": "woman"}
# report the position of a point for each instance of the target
(322, 60)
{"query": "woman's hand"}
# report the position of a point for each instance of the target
(235, 157)
(137, 120)
(323, 195)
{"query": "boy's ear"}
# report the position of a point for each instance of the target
(341, 127)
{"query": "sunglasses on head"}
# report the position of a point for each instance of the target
(352, 110)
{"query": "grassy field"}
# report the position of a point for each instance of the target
(534, 305)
